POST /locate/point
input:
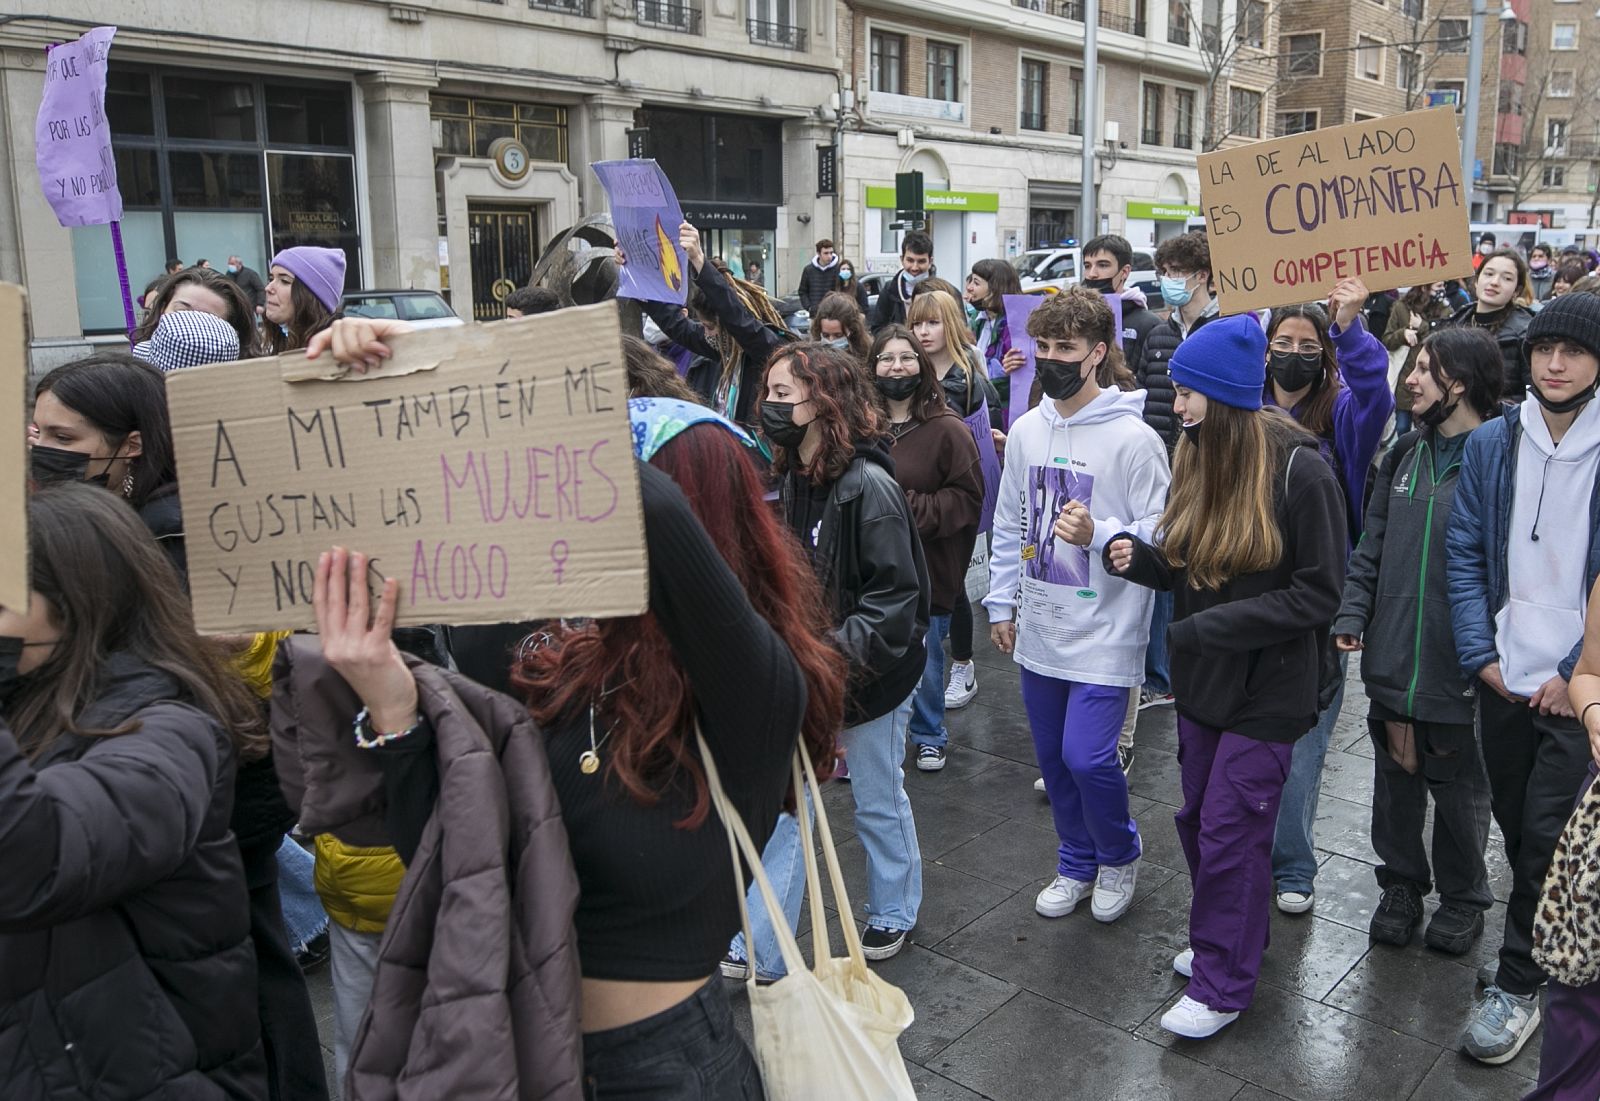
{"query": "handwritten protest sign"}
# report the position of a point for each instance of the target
(489, 468)
(646, 214)
(1019, 307)
(14, 581)
(989, 460)
(72, 137)
(1380, 200)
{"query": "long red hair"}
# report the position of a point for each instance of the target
(654, 713)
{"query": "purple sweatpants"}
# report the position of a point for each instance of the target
(1231, 788)
(1075, 728)
(1569, 1061)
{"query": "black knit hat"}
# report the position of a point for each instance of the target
(1574, 317)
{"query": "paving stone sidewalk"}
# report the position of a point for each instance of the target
(1014, 1007)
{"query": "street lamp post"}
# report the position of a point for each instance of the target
(1469, 116)
(1088, 216)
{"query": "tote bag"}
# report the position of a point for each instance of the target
(1566, 928)
(832, 1032)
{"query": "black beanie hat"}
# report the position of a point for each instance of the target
(1574, 317)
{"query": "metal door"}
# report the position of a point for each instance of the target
(503, 252)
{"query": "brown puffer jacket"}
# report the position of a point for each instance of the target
(477, 996)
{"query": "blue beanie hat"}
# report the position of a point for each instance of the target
(1226, 360)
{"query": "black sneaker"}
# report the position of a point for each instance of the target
(1398, 914)
(314, 955)
(880, 944)
(735, 967)
(930, 758)
(1453, 929)
(1125, 758)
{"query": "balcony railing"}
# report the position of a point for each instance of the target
(783, 35)
(1075, 127)
(584, 8)
(1178, 34)
(1062, 9)
(1182, 140)
(672, 17)
(1127, 24)
(1032, 120)
(1149, 137)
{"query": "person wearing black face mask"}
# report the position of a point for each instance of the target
(1107, 263)
(1333, 379)
(1397, 612)
(1523, 553)
(936, 463)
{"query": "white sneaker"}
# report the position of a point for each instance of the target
(1296, 902)
(963, 684)
(1183, 963)
(1195, 1021)
(1113, 891)
(1061, 897)
(1038, 785)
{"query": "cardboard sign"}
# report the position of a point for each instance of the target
(1380, 200)
(72, 137)
(14, 579)
(1019, 307)
(489, 468)
(981, 428)
(646, 214)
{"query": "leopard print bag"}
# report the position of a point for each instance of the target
(1566, 928)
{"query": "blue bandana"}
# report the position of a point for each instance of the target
(657, 420)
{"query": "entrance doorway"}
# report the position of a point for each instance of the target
(503, 252)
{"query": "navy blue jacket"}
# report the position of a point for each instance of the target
(1475, 543)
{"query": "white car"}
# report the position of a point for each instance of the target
(423, 309)
(1044, 270)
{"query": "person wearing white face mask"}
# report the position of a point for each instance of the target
(916, 264)
(838, 323)
(1185, 266)
(1501, 308)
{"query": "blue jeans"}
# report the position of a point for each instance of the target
(1294, 856)
(303, 915)
(1157, 669)
(927, 702)
(876, 751)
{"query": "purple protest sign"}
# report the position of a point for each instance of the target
(1114, 300)
(1018, 309)
(989, 460)
(72, 138)
(646, 214)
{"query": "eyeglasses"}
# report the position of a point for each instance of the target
(890, 358)
(1305, 348)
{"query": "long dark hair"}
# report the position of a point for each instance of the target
(1002, 279)
(241, 314)
(1470, 356)
(844, 402)
(654, 715)
(928, 399)
(118, 394)
(307, 317)
(1316, 415)
(111, 589)
(843, 308)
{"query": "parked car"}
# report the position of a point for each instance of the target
(1145, 277)
(1049, 269)
(795, 317)
(875, 282)
(423, 309)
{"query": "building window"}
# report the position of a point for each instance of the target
(1554, 175)
(1183, 118)
(1150, 128)
(1034, 94)
(888, 72)
(1300, 54)
(467, 127)
(777, 23)
(1178, 22)
(1447, 93)
(1408, 73)
(1555, 137)
(1454, 35)
(1564, 36)
(1296, 122)
(1075, 93)
(944, 67)
(1514, 38)
(1244, 112)
(1561, 84)
(1252, 27)
(673, 16)
(1364, 116)
(1510, 102)
(1369, 58)
(1505, 159)
(1411, 9)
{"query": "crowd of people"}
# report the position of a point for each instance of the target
(505, 836)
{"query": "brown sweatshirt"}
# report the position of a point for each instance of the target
(936, 463)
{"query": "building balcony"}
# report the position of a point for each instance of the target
(1127, 24)
(672, 17)
(1182, 140)
(581, 8)
(1031, 121)
(916, 107)
(1150, 137)
(783, 35)
(1178, 34)
(1061, 9)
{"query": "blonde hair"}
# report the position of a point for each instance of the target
(1221, 519)
(940, 306)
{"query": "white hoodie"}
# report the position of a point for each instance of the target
(1074, 621)
(1543, 617)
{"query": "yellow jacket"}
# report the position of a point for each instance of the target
(357, 885)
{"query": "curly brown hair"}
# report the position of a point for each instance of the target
(843, 401)
(1078, 312)
(1187, 252)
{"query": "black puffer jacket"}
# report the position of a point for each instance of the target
(126, 969)
(1151, 376)
(1508, 327)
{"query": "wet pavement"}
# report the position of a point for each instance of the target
(1015, 1007)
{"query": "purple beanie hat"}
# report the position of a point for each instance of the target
(320, 269)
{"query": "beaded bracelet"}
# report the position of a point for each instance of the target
(363, 725)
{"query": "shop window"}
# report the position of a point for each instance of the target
(299, 115)
(138, 177)
(129, 105)
(735, 158)
(215, 180)
(314, 202)
(210, 110)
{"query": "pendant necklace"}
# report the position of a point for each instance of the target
(589, 759)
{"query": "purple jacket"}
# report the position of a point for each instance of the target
(1361, 412)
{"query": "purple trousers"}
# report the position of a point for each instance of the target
(1569, 1061)
(1075, 728)
(1231, 788)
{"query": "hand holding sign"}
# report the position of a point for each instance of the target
(1344, 305)
(689, 241)
(644, 208)
(360, 645)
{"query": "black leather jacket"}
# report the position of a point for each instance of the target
(1509, 336)
(869, 560)
(1151, 375)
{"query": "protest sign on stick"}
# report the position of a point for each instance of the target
(1019, 307)
(14, 579)
(489, 468)
(646, 214)
(1379, 200)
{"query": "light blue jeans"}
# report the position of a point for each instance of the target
(303, 916)
(1294, 855)
(876, 752)
(927, 702)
